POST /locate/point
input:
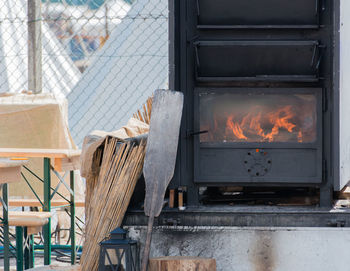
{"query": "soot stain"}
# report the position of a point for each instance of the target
(263, 252)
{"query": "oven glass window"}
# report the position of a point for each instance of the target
(257, 117)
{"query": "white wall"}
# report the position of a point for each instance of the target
(344, 89)
(256, 249)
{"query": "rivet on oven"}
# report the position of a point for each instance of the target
(249, 170)
(269, 161)
(257, 174)
(249, 153)
(245, 162)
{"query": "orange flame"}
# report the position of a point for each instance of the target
(235, 128)
(251, 124)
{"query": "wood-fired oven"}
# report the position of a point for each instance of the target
(263, 103)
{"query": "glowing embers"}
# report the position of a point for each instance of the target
(257, 117)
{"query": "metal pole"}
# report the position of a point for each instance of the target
(31, 251)
(28, 250)
(47, 208)
(19, 248)
(72, 220)
(6, 228)
(34, 46)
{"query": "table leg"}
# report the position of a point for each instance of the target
(19, 248)
(72, 221)
(47, 208)
(6, 228)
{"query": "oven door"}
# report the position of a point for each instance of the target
(258, 136)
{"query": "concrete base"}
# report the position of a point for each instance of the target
(254, 249)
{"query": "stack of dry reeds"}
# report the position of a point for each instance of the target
(121, 167)
(91, 182)
(108, 194)
(145, 115)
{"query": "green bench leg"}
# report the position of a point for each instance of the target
(72, 221)
(47, 208)
(6, 228)
(29, 250)
(19, 248)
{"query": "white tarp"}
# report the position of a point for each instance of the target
(34, 121)
(59, 73)
(124, 73)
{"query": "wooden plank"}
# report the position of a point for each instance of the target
(172, 198)
(161, 147)
(36, 203)
(182, 263)
(57, 268)
(344, 193)
(28, 219)
(43, 153)
(160, 156)
(20, 214)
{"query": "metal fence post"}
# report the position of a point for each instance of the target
(34, 46)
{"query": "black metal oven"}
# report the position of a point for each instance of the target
(258, 135)
(257, 79)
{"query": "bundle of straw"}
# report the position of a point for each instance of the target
(91, 183)
(121, 167)
(145, 115)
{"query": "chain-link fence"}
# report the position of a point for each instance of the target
(105, 56)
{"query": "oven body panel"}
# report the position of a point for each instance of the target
(285, 14)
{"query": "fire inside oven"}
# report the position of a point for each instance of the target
(257, 117)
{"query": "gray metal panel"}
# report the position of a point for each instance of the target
(247, 216)
(255, 13)
(286, 166)
(286, 60)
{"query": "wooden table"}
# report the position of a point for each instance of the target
(36, 203)
(60, 156)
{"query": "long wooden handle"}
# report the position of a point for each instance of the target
(147, 248)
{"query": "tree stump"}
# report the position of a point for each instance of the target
(179, 263)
